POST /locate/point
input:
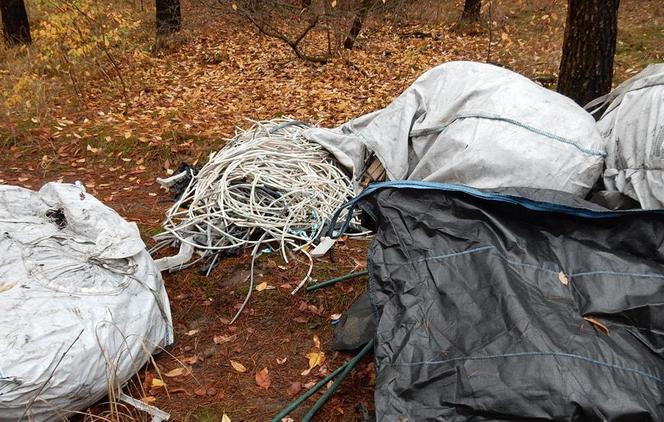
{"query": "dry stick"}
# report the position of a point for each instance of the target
(488, 52)
(27, 408)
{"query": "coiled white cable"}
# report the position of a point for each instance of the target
(268, 186)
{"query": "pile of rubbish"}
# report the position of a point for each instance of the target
(506, 278)
(83, 304)
(496, 291)
(268, 187)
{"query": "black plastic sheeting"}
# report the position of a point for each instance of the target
(356, 327)
(526, 305)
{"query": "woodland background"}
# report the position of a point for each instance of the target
(100, 96)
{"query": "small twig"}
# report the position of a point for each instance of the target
(488, 52)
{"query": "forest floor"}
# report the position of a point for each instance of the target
(118, 127)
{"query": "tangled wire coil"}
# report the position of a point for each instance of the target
(269, 186)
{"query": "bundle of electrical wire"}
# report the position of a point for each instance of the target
(268, 187)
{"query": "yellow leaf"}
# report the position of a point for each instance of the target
(238, 366)
(334, 3)
(157, 383)
(315, 358)
(264, 286)
(225, 418)
(234, 7)
(175, 372)
(5, 287)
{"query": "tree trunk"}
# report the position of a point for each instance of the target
(169, 18)
(471, 10)
(15, 25)
(586, 68)
(358, 22)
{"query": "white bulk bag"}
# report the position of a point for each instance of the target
(82, 305)
(479, 125)
(633, 127)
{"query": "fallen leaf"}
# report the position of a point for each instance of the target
(563, 278)
(220, 339)
(294, 388)
(200, 391)
(157, 383)
(281, 361)
(261, 286)
(192, 332)
(238, 366)
(335, 317)
(315, 358)
(176, 372)
(225, 418)
(148, 399)
(316, 342)
(263, 378)
(598, 325)
(5, 287)
(190, 360)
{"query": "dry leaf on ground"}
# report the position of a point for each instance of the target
(238, 366)
(263, 378)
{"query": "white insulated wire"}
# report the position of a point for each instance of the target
(268, 186)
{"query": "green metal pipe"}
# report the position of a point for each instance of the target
(336, 280)
(294, 404)
(349, 367)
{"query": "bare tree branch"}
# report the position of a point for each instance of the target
(294, 44)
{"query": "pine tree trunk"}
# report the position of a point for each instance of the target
(169, 18)
(358, 22)
(586, 68)
(15, 25)
(471, 10)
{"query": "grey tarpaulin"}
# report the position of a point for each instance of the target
(82, 305)
(475, 124)
(633, 127)
(521, 305)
